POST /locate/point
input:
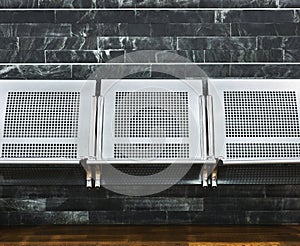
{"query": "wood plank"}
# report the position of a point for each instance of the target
(150, 235)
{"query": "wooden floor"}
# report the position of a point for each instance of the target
(151, 235)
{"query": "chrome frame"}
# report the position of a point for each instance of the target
(103, 135)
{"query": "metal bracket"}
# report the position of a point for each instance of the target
(89, 177)
(214, 177)
(97, 176)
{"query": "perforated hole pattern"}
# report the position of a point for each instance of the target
(39, 151)
(261, 114)
(151, 150)
(262, 150)
(151, 114)
(42, 115)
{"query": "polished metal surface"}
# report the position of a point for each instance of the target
(151, 120)
(46, 121)
(256, 120)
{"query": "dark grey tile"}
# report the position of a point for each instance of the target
(35, 71)
(175, 16)
(181, 56)
(110, 72)
(272, 217)
(164, 56)
(22, 205)
(113, 4)
(216, 71)
(136, 29)
(289, 3)
(15, 56)
(128, 217)
(57, 217)
(255, 16)
(266, 43)
(146, 217)
(284, 191)
(190, 70)
(94, 16)
(291, 43)
(291, 55)
(242, 204)
(76, 16)
(223, 191)
(169, 71)
(243, 55)
(222, 43)
(163, 204)
(4, 218)
(247, 4)
(26, 175)
(265, 71)
(98, 29)
(18, 3)
(85, 203)
(35, 30)
(41, 192)
(187, 4)
(218, 55)
(255, 71)
(297, 16)
(9, 44)
(147, 4)
(192, 43)
(60, 43)
(291, 203)
(190, 29)
(110, 29)
(83, 56)
(33, 16)
(218, 217)
(115, 43)
(265, 29)
(179, 191)
(142, 56)
(257, 56)
(14, 218)
(67, 4)
(102, 217)
(137, 43)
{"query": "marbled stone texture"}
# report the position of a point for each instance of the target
(72, 39)
(147, 3)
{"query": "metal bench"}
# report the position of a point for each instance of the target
(150, 121)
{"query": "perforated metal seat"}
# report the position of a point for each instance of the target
(151, 121)
(46, 121)
(256, 120)
(147, 121)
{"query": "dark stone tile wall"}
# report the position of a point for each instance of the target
(70, 39)
(228, 204)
